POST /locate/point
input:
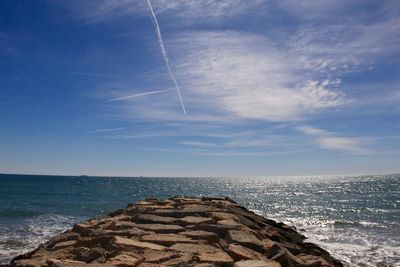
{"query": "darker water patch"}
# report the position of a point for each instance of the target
(19, 213)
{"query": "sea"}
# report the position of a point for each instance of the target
(356, 218)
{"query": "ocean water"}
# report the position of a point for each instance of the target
(357, 219)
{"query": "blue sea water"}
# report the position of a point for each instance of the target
(357, 219)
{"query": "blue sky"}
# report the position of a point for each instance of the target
(270, 87)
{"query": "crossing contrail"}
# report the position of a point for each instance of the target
(137, 95)
(164, 52)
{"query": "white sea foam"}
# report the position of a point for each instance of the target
(354, 243)
(21, 238)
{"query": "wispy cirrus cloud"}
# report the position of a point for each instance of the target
(251, 76)
(190, 11)
(138, 95)
(108, 130)
(234, 75)
(248, 76)
(251, 140)
(310, 130)
(344, 48)
(199, 144)
(352, 145)
(331, 141)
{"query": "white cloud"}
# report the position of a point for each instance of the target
(310, 130)
(313, 10)
(246, 75)
(352, 145)
(108, 130)
(189, 10)
(205, 8)
(254, 142)
(347, 40)
(235, 76)
(299, 78)
(199, 144)
(246, 154)
(331, 141)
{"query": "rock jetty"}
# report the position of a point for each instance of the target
(181, 231)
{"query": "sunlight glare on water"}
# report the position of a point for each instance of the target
(355, 218)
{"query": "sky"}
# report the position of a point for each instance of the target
(268, 87)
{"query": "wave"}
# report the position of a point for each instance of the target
(360, 255)
(330, 223)
(28, 233)
(355, 243)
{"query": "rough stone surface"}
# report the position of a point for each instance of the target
(150, 218)
(160, 228)
(64, 244)
(257, 263)
(217, 257)
(154, 256)
(167, 239)
(245, 239)
(209, 237)
(194, 220)
(124, 260)
(121, 242)
(181, 231)
(195, 248)
(242, 253)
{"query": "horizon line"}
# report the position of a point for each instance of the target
(199, 177)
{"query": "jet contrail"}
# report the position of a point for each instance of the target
(164, 52)
(137, 95)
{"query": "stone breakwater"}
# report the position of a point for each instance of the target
(180, 231)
